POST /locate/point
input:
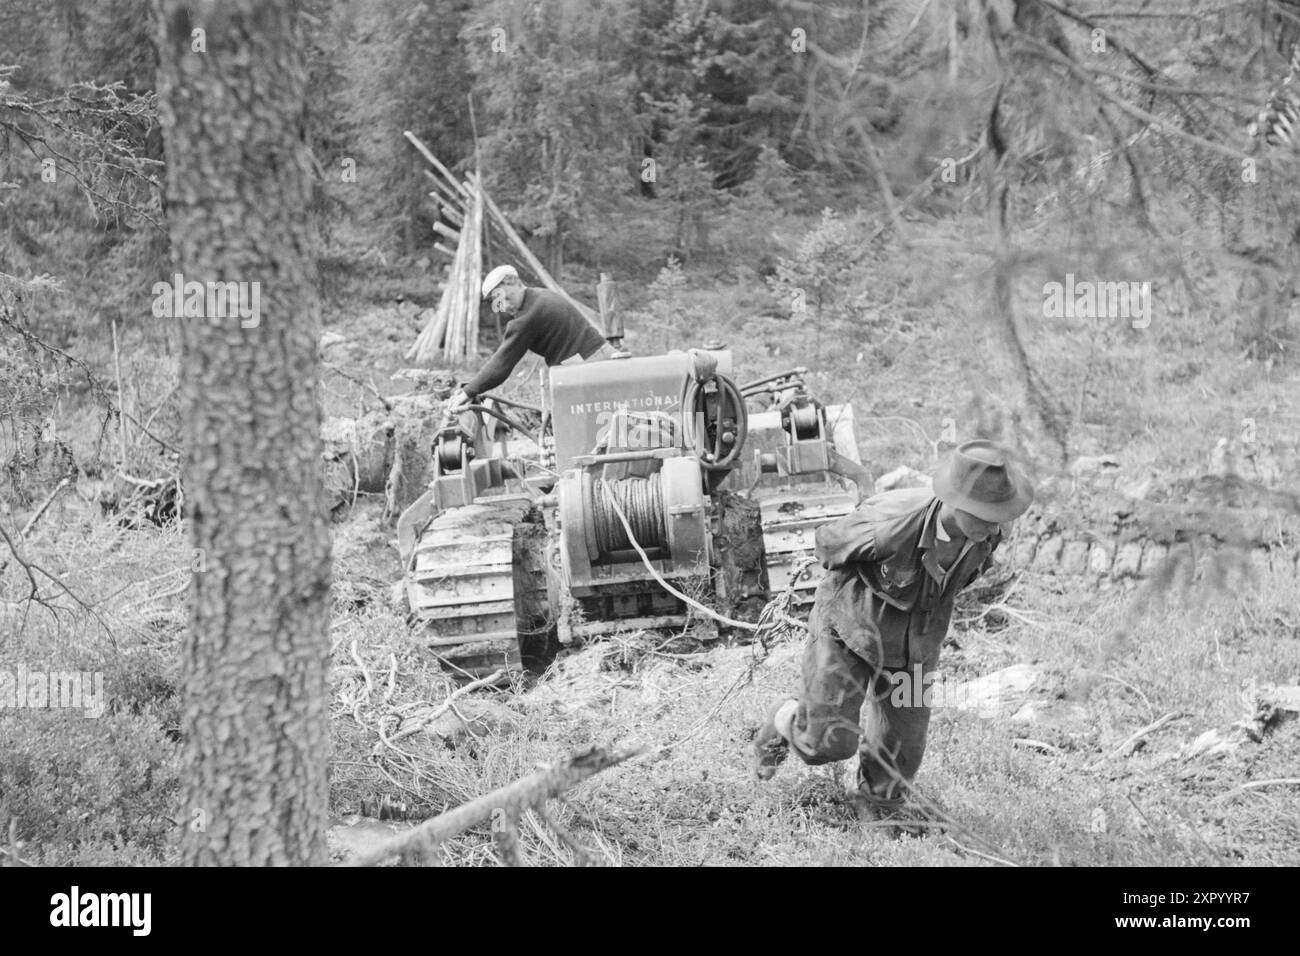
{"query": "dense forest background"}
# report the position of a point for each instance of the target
(879, 190)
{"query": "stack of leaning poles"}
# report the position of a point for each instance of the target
(477, 225)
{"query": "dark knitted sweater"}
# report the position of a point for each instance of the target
(545, 324)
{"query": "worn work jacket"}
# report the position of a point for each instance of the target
(547, 325)
(885, 595)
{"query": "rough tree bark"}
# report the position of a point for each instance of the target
(255, 653)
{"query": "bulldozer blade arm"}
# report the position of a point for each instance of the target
(409, 524)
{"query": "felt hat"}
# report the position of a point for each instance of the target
(978, 477)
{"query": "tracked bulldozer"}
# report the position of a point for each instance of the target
(645, 471)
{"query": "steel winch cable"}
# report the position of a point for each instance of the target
(641, 501)
(622, 517)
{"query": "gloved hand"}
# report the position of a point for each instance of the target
(459, 399)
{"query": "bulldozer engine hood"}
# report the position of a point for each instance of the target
(585, 398)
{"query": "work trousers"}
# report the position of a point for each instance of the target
(848, 705)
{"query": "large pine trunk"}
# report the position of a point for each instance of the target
(256, 651)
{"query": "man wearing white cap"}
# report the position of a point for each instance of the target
(540, 321)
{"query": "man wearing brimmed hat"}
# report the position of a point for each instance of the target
(541, 321)
(894, 567)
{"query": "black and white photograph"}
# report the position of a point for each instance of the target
(632, 434)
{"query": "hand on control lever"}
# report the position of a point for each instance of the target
(459, 399)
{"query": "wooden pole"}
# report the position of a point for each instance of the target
(445, 208)
(512, 799)
(446, 231)
(460, 324)
(448, 195)
(430, 339)
(122, 434)
(474, 278)
(453, 305)
(433, 161)
(437, 332)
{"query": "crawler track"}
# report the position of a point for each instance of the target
(476, 586)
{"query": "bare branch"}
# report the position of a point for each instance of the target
(512, 799)
(31, 569)
(87, 120)
(1037, 48)
(98, 386)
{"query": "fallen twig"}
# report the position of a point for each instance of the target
(31, 522)
(40, 512)
(448, 704)
(1151, 713)
(986, 856)
(123, 433)
(1133, 738)
(500, 805)
(582, 856)
(939, 815)
(31, 568)
(365, 671)
(1038, 744)
(1255, 784)
(392, 678)
(369, 386)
